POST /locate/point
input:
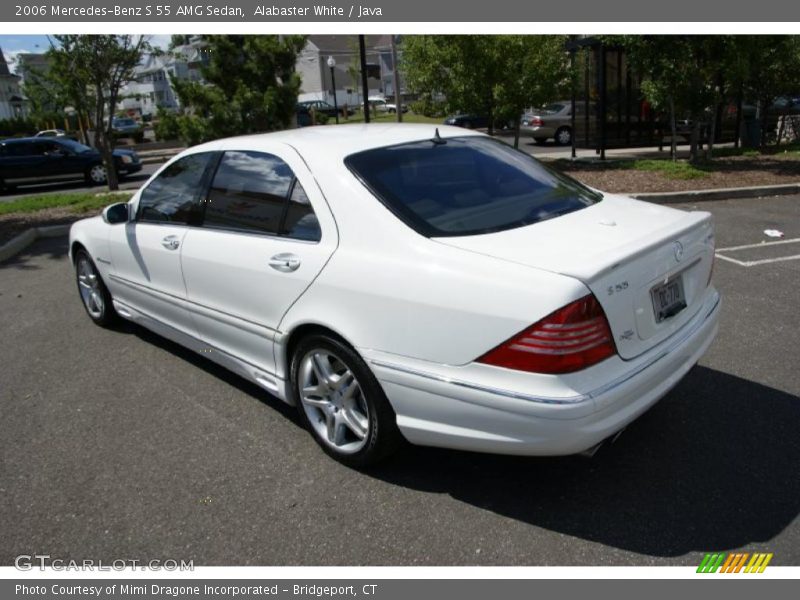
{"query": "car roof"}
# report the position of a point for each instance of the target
(32, 139)
(328, 142)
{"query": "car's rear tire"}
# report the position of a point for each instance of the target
(540, 140)
(564, 136)
(341, 403)
(96, 174)
(94, 294)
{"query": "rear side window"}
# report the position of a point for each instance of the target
(173, 196)
(249, 192)
(301, 223)
(18, 149)
(466, 186)
(255, 192)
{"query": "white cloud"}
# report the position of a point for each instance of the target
(159, 41)
(11, 58)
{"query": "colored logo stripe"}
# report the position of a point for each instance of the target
(734, 562)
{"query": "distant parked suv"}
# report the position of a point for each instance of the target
(36, 160)
(123, 127)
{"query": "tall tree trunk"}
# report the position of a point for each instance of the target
(396, 82)
(781, 129)
(763, 140)
(517, 123)
(712, 131)
(694, 140)
(737, 134)
(674, 130)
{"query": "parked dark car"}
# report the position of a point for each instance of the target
(467, 121)
(125, 127)
(303, 116)
(29, 161)
(320, 106)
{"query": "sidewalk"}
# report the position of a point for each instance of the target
(551, 153)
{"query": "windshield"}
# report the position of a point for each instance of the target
(124, 122)
(466, 186)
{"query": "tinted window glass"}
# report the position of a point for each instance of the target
(466, 186)
(18, 149)
(172, 197)
(301, 222)
(249, 192)
(47, 149)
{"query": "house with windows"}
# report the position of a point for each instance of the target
(151, 87)
(12, 102)
(312, 65)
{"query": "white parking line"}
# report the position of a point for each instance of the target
(752, 263)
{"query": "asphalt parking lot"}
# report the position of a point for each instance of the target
(121, 445)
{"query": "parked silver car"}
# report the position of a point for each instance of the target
(552, 121)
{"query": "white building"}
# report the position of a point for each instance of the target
(152, 87)
(312, 65)
(12, 103)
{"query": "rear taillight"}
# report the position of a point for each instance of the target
(536, 122)
(570, 339)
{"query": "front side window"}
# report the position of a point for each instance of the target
(466, 186)
(172, 197)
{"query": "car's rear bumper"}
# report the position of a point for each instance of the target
(539, 132)
(436, 407)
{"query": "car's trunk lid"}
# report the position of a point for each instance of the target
(642, 262)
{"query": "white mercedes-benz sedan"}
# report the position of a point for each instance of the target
(399, 282)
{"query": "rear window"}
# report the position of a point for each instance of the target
(466, 186)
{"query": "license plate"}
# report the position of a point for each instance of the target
(668, 299)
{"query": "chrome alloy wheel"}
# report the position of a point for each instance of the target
(333, 401)
(89, 286)
(98, 174)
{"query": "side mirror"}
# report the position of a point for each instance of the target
(116, 213)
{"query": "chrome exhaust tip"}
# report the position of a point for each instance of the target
(590, 452)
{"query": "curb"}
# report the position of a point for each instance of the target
(718, 193)
(27, 237)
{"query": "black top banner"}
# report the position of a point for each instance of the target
(462, 11)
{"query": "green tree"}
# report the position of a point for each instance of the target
(88, 72)
(493, 75)
(772, 63)
(675, 72)
(250, 86)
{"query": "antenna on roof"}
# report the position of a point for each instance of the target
(437, 139)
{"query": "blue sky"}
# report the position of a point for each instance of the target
(14, 44)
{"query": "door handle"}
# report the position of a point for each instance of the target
(171, 242)
(285, 262)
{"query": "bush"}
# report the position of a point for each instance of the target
(429, 107)
(17, 127)
(166, 127)
(321, 118)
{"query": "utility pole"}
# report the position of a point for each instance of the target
(362, 47)
(396, 74)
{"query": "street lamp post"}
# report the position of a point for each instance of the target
(332, 64)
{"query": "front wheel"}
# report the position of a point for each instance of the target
(94, 293)
(341, 403)
(96, 174)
